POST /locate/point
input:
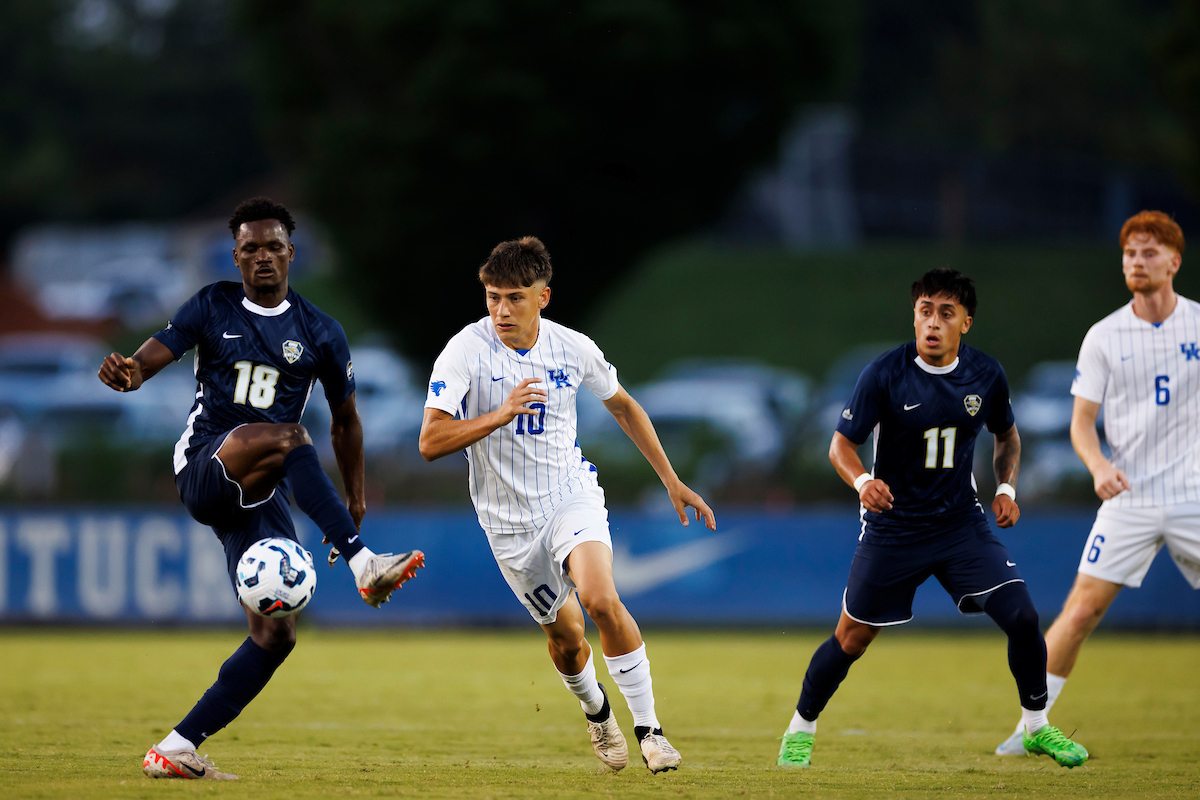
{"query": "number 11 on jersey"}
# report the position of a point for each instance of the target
(931, 447)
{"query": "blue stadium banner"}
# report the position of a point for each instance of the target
(149, 566)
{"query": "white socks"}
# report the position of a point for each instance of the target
(358, 562)
(585, 687)
(175, 742)
(800, 725)
(631, 673)
(1033, 721)
(1054, 687)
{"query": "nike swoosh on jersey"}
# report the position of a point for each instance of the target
(1126, 358)
(581, 530)
(907, 407)
(641, 573)
(228, 335)
(1009, 564)
(498, 379)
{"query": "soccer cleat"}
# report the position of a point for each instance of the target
(1013, 745)
(796, 750)
(607, 739)
(384, 573)
(185, 764)
(1049, 740)
(657, 752)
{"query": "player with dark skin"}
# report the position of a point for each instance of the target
(253, 454)
(940, 323)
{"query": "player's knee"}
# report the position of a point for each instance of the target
(278, 639)
(603, 607)
(1083, 614)
(292, 436)
(854, 641)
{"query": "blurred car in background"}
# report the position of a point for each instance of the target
(49, 381)
(388, 402)
(1043, 411)
(746, 412)
(838, 386)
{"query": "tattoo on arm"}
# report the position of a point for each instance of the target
(1006, 462)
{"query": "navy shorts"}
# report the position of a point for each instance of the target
(215, 499)
(969, 561)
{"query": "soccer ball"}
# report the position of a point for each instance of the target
(276, 577)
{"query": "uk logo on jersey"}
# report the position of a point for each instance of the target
(973, 402)
(436, 387)
(560, 378)
(292, 350)
(1190, 350)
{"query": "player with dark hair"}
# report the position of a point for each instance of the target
(503, 390)
(926, 402)
(1137, 364)
(260, 347)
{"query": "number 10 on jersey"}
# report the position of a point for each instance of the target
(931, 447)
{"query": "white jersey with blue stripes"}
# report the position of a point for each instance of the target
(520, 472)
(1147, 377)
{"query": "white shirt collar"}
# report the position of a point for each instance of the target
(932, 370)
(263, 311)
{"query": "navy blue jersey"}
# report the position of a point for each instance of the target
(254, 364)
(925, 421)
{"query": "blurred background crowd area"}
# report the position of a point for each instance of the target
(736, 196)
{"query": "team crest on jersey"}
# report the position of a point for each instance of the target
(292, 350)
(560, 378)
(350, 370)
(973, 402)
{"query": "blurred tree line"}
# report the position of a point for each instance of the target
(424, 131)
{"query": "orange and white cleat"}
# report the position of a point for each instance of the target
(384, 573)
(185, 764)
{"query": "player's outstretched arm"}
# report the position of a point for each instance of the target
(128, 374)
(1006, 463)
(347, 436)
(1107, 479)
(874, 494)
(636, 423)
(442, 434)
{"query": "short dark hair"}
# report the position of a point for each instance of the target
(257, 208)
(517, 264)
(948, 282)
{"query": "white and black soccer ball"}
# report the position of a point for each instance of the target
(276, 577)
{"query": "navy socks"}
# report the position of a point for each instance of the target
(242, 677)
(318, 499)
(825, 673)
(1012, 609)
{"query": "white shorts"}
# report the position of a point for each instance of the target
(1124, 541)
(534, 563)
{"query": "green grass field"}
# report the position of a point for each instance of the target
(482, 714)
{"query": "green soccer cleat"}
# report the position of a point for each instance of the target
(1049, 740)
(796, 750)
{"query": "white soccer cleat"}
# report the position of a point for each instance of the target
(657, 752)
(1013, 745)
(384, 573)
(185, 764)
(607, 739)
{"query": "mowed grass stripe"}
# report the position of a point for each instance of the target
(483, 714)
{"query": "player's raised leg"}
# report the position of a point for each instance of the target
(826, 671)
(1081, 613)
(1012, 609)
(572, 657)
(258, 456)
(590, 568)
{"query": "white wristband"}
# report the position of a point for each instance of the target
(1006, 488)
(860, 480)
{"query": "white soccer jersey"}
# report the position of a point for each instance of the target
(520, 472)
(1148, 379)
